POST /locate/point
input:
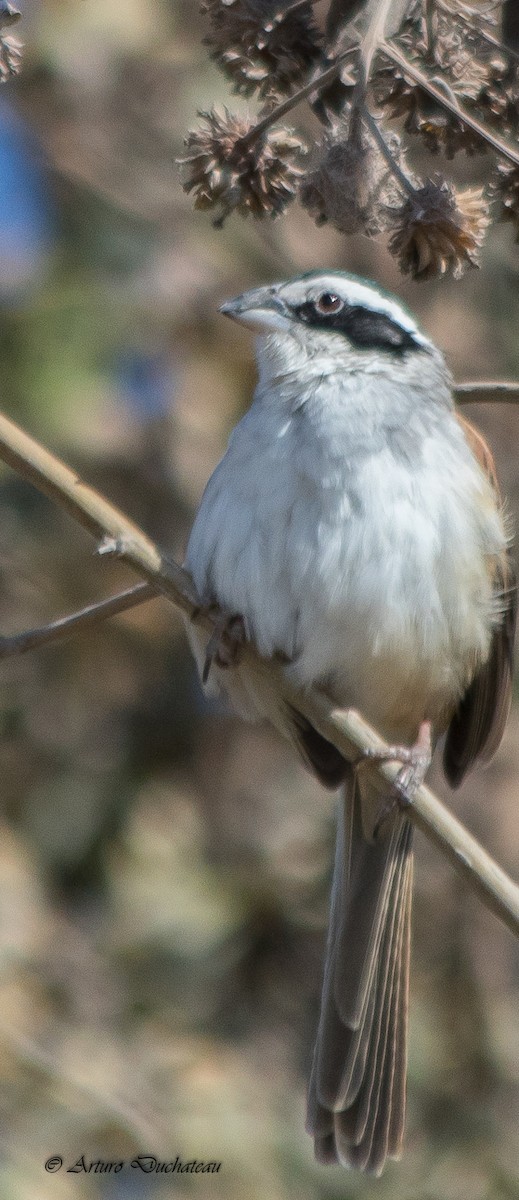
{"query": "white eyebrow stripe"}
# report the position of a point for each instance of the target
(356, 293)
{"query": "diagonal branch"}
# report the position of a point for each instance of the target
(346, 729)
(315, 84)
(119, 536)
(78, 622)
(443, 98)
(377, 37)
(478, 391)
(395, 168)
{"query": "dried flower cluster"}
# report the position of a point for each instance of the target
(439, 130)
(439, 229)
(9, 15)
(10, 47)
(461, 92)
(352, 186)
(507, 188)
(498, 101)
(263, 45)
(336, 190)
(229, 169)
(478, 76)
(10, 57)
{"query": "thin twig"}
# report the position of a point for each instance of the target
(346, 730)
(373, 36)
(429, 29)
(78, 622)
(487, 391)
(119, 535)
(122, 1113)
(314, 85)
(452, 106)
(478, 392)
(394, 167)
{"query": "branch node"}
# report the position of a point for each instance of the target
(111, 547)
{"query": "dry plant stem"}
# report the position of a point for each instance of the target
(121, 537)
(429, 28)
(286, 106)
(394, 167)
(368, 47)
(93, 614)
(408, 68)
(78, 622)
(116, 1109)
(346, 730)
(373, 36)
(487, 391)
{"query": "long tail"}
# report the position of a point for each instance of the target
(356, 1101)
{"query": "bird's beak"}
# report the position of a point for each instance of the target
(261, 309)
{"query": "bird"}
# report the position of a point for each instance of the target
(354, 532)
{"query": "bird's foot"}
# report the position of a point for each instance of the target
(415, 759)
(225, 643)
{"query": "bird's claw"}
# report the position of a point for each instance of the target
(225, 643)
(415, 759)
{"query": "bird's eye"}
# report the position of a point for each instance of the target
(328, 302)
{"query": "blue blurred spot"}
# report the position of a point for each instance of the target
(146, 382)
(27, 218)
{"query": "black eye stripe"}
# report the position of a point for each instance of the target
(363, 327)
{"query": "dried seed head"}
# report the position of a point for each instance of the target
(498, 102)
(507, 188)
(227, 167)
(10, 57)
(460, 50)
(337, 190)
(440, 130)
(352, 186)
(332, 101)
(467, 74)
(439, 230)
(486, 81)
(263, 45)
(483, 79)
(444, 133)
(9, 15)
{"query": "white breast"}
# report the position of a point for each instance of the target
(371, 572)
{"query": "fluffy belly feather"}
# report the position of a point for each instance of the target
(377, 588)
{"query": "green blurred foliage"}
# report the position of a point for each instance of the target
(164, 870)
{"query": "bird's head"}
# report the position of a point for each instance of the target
(331, 321)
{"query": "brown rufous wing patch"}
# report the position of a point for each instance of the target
(477, 726)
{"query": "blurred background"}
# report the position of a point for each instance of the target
(164, 869)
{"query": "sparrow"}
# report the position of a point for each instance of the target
(354, 531)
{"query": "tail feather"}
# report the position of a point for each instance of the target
(372, 1117)
(356, 1097)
